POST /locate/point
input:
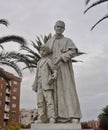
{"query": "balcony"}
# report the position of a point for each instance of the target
(7, 99)
(7, 91)
(7, 108)
(6, 116)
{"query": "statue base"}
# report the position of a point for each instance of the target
(59, 126)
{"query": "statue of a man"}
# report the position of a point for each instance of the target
(67, 106)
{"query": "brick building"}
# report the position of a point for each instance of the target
(9, 99)
(90, 125)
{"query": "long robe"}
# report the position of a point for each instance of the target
(66, 99)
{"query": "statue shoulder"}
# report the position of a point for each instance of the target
(50, 40)
(68, 39)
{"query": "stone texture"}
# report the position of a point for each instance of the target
(73, 126)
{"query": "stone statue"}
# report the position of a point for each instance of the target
(43, 85)
(66, 101)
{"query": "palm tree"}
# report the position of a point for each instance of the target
(103, 118)
(32, 55)
(93, 5)
(6, 78)
(14, 38)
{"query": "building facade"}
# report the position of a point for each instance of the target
(27, 116)
(9, 99)
(93, 124)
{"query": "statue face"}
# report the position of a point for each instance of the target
(59, 28)
(44, 52)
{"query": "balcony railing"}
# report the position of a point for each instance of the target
(7, 99)
(7, 108)
(7, 91)
(6, 116)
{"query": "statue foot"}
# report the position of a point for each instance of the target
(38, 121)
(75, 120)
(51, 120)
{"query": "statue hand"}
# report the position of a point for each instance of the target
(54, 76)
(58, 60)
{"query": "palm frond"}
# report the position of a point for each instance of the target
(46, 38)
(32, 53)
(94, 4)
(4, 55)
(33, 57)
(106, 16)
(18, 57)
(13, 65)
(38, 41)
(2, 47)
(14, 38)
(6, 78)
(32, 66)
(35, 46)
(29, 50)
(80, 53)
(87, 1)
(4, 22)
(73, 60)
(49, 36)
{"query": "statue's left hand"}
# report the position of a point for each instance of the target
(58, 60)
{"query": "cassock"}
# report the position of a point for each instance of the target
(65, 95)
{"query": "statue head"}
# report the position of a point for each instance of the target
(45, 50)
(59, 27)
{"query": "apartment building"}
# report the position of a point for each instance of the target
(9, 99)
(93, 124)
(27, 116)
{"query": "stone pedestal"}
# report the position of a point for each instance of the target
(65, 126)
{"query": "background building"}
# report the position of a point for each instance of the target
(91, 125)
(27, 116)
(9, 99)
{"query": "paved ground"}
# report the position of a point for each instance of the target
(25, 129)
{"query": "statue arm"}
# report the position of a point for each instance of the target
(68, 55)
(70, 51)
(53, 68)
(35, 83)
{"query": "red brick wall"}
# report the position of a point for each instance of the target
(14, 97)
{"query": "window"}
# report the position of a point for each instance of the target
(14, 105)
(0, 103)
(1, 86)
(14, 97)
(1, 95)
(15, 82)
(15, 90)
(13, 113)
(10, 83)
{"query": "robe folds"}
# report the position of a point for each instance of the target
(66, 99)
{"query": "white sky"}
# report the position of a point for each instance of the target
(29, 18)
